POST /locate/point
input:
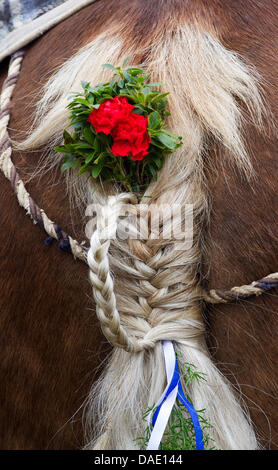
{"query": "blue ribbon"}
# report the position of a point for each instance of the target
(190, 408)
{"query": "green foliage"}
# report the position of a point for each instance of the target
(179, 433)
(91, 152)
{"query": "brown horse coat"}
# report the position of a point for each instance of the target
(50, 341)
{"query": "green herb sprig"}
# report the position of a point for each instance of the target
(89, 151)
(179, 433)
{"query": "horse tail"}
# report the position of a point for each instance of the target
(158, 294)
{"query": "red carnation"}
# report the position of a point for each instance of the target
(131, 137)
(109, 114)
(129, 130)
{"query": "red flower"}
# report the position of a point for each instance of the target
(131, 137)
(129, 130)
(109, 114)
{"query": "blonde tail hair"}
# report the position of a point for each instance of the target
(155, 293)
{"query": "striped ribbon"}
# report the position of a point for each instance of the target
(167, 400)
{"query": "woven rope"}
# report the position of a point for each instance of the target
(6, 165)
(108, 313)
(256, 288)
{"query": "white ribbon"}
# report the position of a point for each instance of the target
(166, 407)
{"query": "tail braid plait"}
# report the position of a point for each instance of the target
(159, 313)
(100, 277)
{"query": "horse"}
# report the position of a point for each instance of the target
(53, 348)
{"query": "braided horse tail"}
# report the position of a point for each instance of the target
(154, 292)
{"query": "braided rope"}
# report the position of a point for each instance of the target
(256, 288)
(38, 215)
(67, 243)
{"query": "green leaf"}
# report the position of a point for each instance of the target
(60, 149)
(145, 91)
(161, 105)
(68, 164)
(88, 135)
(81, 101)
(82, 145)
(126, 61)
(109, 66)
(68, 148)
(75, 163)
(67, 137)
(90, 158)
(135, 70)
(104, 98)
(78, 121)
(83, 169)
(154, 120)
(127, 76)
(153, 171)
(159, 97)
(91, 99)
(140, 109)
(113, 81)
(158, 161)
(131, 96)
(157, 144)
(97, 144)
(84, 84)
(171, 134)
(101, 156)
(167, 141)
(97, 169)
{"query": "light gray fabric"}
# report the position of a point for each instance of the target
(22, 21)
(15, 13)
